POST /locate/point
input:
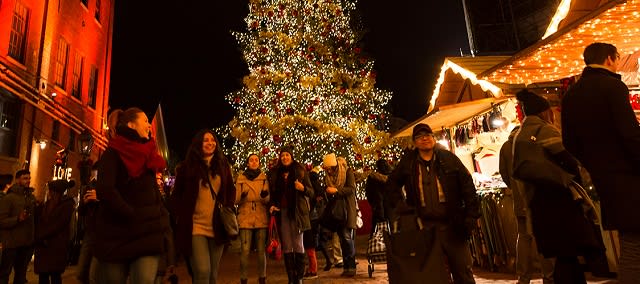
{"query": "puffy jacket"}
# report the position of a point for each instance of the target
(252, 209)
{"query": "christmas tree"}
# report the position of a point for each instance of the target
(310, 86)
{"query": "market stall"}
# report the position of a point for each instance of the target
(558, 58)
(472, 118)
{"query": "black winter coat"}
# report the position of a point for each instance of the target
(300, 205)
(462, 206)
(52, 237)
(131, 219)
(600, 129)
(375, 190)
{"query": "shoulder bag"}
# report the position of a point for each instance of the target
(227, 215)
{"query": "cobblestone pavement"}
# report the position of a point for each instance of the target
(230, 272)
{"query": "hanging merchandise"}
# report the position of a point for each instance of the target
(485, 124)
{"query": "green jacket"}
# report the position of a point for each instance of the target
(15, 233)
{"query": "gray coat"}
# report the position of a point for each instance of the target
(348, 191)
(15, 233)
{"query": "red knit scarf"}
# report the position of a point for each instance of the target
(138, 157)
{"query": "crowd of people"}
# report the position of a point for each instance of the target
(134, 231)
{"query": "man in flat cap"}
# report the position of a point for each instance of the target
(442, 192)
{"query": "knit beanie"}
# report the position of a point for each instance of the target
(330, 160)
(531, 103)
(287, 149)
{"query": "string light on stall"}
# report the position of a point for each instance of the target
(619, 25)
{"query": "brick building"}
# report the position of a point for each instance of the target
(55, 58)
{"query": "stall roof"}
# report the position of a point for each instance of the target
(570, 11)
(450, 115)
(452, 85)
(560, 55)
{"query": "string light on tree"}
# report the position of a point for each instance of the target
(310, 85)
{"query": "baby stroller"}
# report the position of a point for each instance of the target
(376, 249)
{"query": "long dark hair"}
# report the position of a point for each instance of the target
(194, 161)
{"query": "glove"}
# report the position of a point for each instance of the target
(244, 194)
(264, 194)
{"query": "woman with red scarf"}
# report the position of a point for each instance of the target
(132, 218)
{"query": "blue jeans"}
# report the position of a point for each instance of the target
(205, 259)
(348, 247)
(246, 239)
(142, 270)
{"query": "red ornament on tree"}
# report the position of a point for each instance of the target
(336, 143)
(367, 139)
(289, 111)
(262, 110)
(279, 94)
(343, 90)
(372, 116)
(316, 101)
(358, 157)
(357, 50)
(265, 150)
(277, 139)
(310, 109)
(236, 100)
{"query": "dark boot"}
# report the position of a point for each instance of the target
(262, 280)
(300, 265)
(289, 264)
(327, 259)
(243, 281)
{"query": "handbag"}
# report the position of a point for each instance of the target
(335, 214)
(227, 215)
(532, 164)
(274, 249)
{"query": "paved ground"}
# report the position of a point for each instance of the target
(230, 272)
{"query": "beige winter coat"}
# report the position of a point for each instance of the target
(252, 209)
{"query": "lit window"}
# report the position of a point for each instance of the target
(97, 14)
(76, 91)
(93, 87)
(18, 38)
(61, 63)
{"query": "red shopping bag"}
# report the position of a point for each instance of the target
(274, 248)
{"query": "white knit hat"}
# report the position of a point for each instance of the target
(330, 160)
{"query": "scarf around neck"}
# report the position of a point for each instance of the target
(338, 178)
(138, 157)
(251, 174)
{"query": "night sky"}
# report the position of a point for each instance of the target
(183, 55)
